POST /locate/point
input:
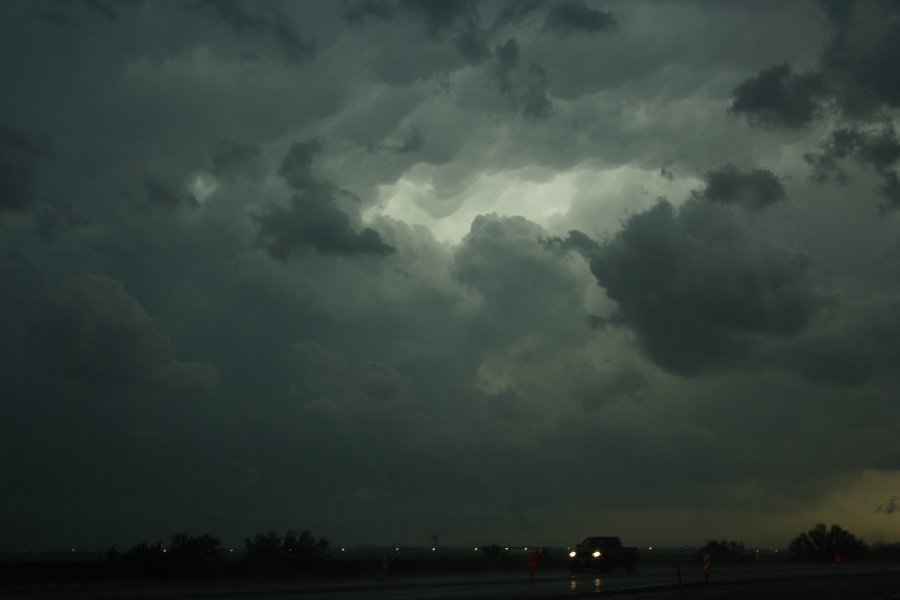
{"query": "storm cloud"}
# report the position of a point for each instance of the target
(693, 284)
(779, 97)
(757, 189)
(312, 219)
(372, 268)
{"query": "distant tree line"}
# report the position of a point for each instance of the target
(824, 543)
(821, 543)
(724, 551)
(272, 553)
(188, 555)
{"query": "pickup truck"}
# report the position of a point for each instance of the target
(602, 553)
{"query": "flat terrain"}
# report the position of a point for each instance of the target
(822, 582)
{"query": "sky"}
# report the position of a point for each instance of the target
(501, 272)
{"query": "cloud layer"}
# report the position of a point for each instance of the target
(375, 268)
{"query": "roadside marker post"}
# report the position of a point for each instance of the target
(837, 560)
(386, 565)
(532, 563)
(707, 566)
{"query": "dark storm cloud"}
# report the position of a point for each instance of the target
(312, 219)
(159, 193)
(102, 8)
(528, 89)
(692, 282)
(890, 190)
(313, 222)
(461, 367)
(233, 159)
(372, 386)
(863, 57)
(756, 189)
(827, 163)
(878, 148)
(296, 167)
(359, 12)
(623, 381)
(778, 97)
(854, 345)
(90, 329)
(19, 157)
(52, 219)
(573, 16)
(857, 70)
(408, 141)
(515, 11)
(524, 286)
(575, 241)
(472, 45)
(267, 21)
(438, 16)
(441, 15)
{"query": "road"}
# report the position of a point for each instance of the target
(547, 585)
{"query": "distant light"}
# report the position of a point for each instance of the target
(525, 548)
(73, 549)
(596, 554)
(476, 548)
(507, 548)
(572, 554)
(433, 549)
(342, 549)
(231, 549)
(164, 550)
(397, 549)
(650, 548)
(776, 551)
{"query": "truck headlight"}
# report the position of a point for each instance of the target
(597, 554)
(572, 554)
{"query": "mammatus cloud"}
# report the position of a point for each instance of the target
(312, 220)
(756, 189)
(779, 97)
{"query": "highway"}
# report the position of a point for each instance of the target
(548, 584)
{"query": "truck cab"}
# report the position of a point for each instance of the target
(602, 553)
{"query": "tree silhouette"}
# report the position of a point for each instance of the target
(724, 551)
(270, 551)
(822, 543)
(194, 554)
(144, 558)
